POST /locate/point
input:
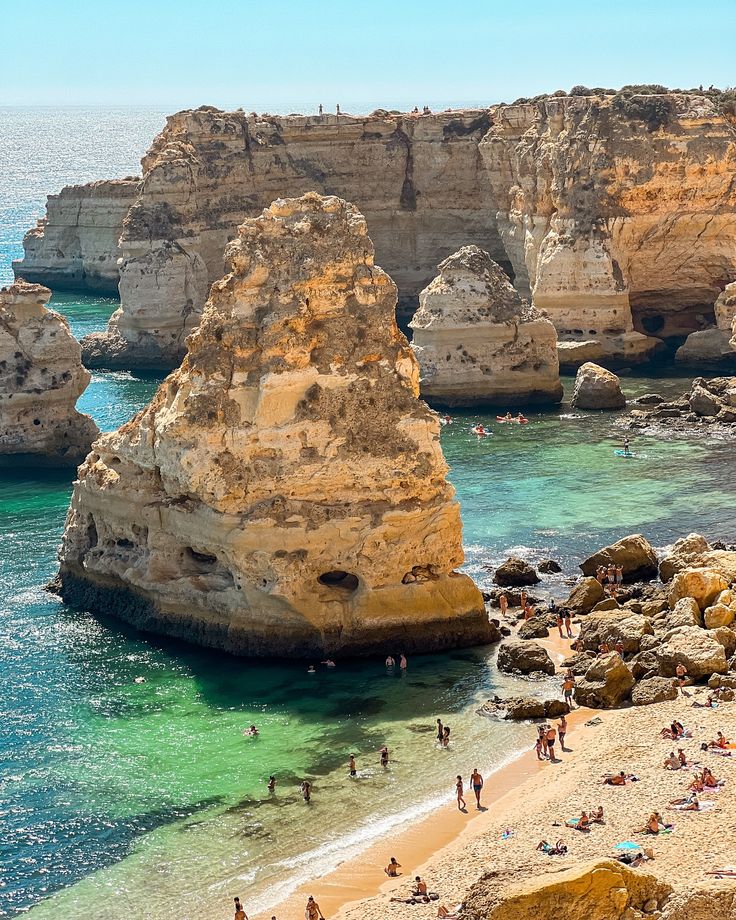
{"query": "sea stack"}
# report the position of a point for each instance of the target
(284, 493)
(41, 378)
(478, 342)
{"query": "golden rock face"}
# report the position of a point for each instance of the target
(285, 491)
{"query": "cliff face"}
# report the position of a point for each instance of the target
(284, 493)
(617, 214)
(418, 180)
(41, 378)
(75, 247)
(478, 342)
(617, 225)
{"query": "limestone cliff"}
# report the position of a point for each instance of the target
(41, 378)
(284, 493)
(478, 342)
(621, 227)
(615, 214)
(75, 246)
(419, 180)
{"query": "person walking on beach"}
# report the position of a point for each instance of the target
(551, 734)
(476, 781)
(351, 765)
(459, 793)
(681, 675)
(440, 731)
(312, 911)
(538, 747)
(562, 731)
(568, 624)
(542, 734)
(306, 788)
(240, 914)
(559, 623)
(568, 685)
(503, 603)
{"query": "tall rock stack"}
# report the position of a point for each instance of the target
(41, 378)
(284, 493)
(478, 343)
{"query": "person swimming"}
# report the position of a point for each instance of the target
(251, 732)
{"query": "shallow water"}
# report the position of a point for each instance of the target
(148, 794)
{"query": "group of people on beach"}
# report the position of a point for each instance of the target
(611, 577)
(547, 736)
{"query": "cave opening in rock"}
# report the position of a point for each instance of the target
(653, 323)
(339, 579)
(199, 562)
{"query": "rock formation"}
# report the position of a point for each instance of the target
(617, 219)
(477, 342)
(41, 378)
(597, 388)
(75, 246)
(617, 214)
(634, 553)
(710, 403)
(718, 344)
(284, 493)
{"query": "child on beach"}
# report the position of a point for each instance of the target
(538, 748)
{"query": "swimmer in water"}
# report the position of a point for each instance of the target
(351, 765)
(306, 788)
(329, 663)
(390, 662)
(271, 783)
(251, 732)
(384, 756)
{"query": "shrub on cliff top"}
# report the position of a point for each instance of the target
(655, 112)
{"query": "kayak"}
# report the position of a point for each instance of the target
(481, 432)
(519, 421)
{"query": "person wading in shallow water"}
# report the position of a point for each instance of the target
(306, 790)
(240, 914)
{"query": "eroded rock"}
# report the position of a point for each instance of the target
(634, 553)
(597, 388)
(524, 657)
(284, 492)
(41, 378)
(476, 340)
(606, 683)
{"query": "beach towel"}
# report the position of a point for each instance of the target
(704, 806)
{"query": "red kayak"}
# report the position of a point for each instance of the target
(518, 421)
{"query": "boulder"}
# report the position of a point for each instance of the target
(650, 608)
(704, 403)
(701, 654)
(515, 572)
(597, 388)
(613, 627)
(584, 596)
(635, 553)
(703, 585)
(654, 690)
(519, 708)
(644, 664)
(524, 657)
(607, 683)
(578, 663)
(601, 890)
(721, 680)
(608, 603)
(718, 615)
(649, 399)
(549, 567)
(685, 613)
(725, 637)
(533, 628)
(685, 553)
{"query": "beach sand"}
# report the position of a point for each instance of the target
(452, 850)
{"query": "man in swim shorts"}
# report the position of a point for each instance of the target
(351, 765)
(476, 781)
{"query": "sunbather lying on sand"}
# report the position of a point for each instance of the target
(714, 749)
(559, 849)
(619, 779)
(686, 802)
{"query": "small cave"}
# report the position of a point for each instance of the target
(336, 578)
(653, 323)
(198, 563)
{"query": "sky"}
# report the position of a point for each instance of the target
(294, 54)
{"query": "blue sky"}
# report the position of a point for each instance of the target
(289, 54)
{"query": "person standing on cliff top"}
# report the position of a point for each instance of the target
(476, 781)
(320, 108)
(338, 108)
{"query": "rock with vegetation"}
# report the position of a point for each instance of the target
(285, 492)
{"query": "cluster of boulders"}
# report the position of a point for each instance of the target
(708, 402)
(677, 610)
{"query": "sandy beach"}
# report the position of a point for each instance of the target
(532, 800)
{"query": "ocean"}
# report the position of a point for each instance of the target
(145, 799)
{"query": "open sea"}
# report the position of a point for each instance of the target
(144, 800)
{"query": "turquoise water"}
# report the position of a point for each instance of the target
(144, 799)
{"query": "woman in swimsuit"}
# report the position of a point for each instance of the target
(392, 869)
(459, 793)
(312, 911)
